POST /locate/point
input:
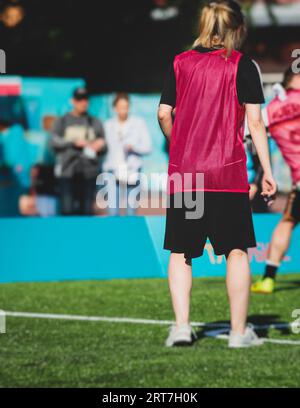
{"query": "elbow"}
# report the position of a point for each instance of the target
(162, 115)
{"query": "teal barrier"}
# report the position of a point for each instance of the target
(57, 249)
(212, 265)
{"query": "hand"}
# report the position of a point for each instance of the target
(80, 143)
(252, 191)
(97, 145)
(269, 188)
(129, 148)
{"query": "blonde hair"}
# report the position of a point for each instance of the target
(221, 24)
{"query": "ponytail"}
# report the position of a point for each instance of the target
(221, 24)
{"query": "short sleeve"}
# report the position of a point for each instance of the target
(249, 84)
(168, 96)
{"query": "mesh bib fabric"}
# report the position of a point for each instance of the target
(208, 130)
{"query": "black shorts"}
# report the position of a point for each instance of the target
(226, 221)
(292, 208)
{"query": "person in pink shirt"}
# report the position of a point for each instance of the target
(283, 116)
(207, 186)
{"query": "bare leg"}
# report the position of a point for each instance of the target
(180, 285)
(280, 241)
(238, 281)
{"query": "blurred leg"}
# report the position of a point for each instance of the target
(113, 208)
(87, 196)
(132, 191)
(180, 285)
(280, 241)
(238, 287)
(67, 197)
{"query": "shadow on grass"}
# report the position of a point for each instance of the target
(262, 323)
(288, 285)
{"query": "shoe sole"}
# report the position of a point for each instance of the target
(261, 292)
(182, 343)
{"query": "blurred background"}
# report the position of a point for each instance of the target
(55, 47)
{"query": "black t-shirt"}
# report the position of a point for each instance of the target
(248, 82)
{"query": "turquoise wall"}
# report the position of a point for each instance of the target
(80, 248)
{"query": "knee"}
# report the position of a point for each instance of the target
(238, 253)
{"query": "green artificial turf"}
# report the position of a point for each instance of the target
(57, 353)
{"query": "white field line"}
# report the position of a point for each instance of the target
(223, 327)
(266, 340)
(90, 318)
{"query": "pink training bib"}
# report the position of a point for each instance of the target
(284, 126)
(207, 135)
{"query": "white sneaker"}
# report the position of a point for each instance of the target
(181, 336)
(248, 339)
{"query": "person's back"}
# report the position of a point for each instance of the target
(210, 138)
(284, 126)
(207, 139)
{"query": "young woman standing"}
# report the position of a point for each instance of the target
(128, 140)
(211, 87)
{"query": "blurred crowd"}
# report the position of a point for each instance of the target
(84, 147)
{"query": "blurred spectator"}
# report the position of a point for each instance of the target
(16, 33)
(163, 11)
(127, 140)
(12, 14)
(78, 140)
(41, 200)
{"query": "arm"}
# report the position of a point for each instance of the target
(258, 132)
(167, 103)
(164, 115)
(143, 144)
(57, 141)
(98, 145)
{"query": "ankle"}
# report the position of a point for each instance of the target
(238, 330)
(180, 324)
(271, 270)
